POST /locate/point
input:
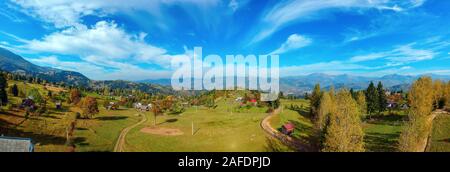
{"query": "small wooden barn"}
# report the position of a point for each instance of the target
(288, 128)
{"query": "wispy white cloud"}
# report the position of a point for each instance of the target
(356, 35)
(5, 12)
(394, 61)
(68, 13)
(294, 41)
(105, 40)
(105, 51)
(346, 67)
(401, 55)
(332, 67)
(286, 13)
(234, 5)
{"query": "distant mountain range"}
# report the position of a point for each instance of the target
(297, 85)
(394, 82)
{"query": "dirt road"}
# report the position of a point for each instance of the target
(121, 140)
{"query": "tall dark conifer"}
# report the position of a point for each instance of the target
(382, 101)
(371, 99)
(3, 94)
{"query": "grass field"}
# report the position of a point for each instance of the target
(226, 128)
(440, 138)
(100, 134)
(382, 132)
(299, 117)
(48, 131)
(216, 130)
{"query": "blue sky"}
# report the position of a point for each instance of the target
(135, 39)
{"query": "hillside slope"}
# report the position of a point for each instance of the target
(14, 63)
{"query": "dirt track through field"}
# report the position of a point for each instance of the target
(121, 140)
(426, 143)
(285, 139)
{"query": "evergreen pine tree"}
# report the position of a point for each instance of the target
(15, 90)
(382, 100)
(3, 93)
(371, 99)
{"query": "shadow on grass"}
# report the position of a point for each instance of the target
(51, 117)
(81, 141)
(393, 120)
(175, 113)
(273, 145)
(12, 114)
(111, 118)
(378, 142)
(4, 123)
(302, 111)
(445, 140)
(168, 121)
(42, 139)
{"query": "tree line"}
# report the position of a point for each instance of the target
(338, 117)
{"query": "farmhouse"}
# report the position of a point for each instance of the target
(254, 102)
(112, 106)
(288, 128)
(14, 144)
(58, 105)
(141, 107)
(27, 103)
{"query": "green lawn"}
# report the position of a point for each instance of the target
(440, 138)
(48, 131)
(299, 117)
(226, 128)
(100, 134)
(216, 130)
(383, 132)
(91, 135)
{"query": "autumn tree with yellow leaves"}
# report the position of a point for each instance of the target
(416, 130)
(343, 131)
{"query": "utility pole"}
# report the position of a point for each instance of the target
(192, 127)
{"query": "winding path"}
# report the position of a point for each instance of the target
(285, 139)
(121, 140)
(426, 143)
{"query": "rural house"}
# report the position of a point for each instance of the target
(27, 103)
(288, 128)
(58, 105)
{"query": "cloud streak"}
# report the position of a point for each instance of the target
(399, 56)
(286, 13)
(294, 41)
(68, 13)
